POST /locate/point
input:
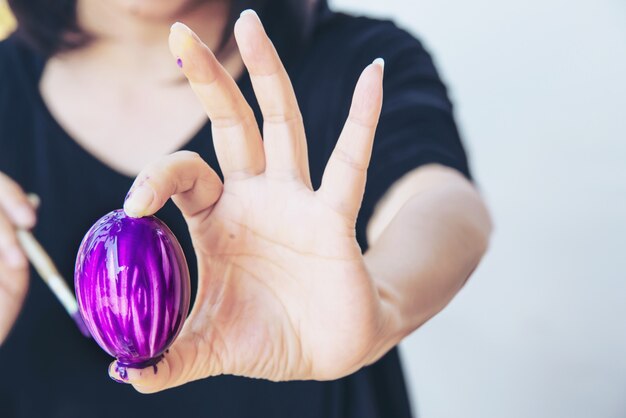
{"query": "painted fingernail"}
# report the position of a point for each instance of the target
(139, 201)
(249, 12)
(14, 257)
(118, 373)
(380, 62)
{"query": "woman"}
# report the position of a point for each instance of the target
(306, 276)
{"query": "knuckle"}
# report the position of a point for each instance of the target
(176, 177)
(349, 160)
(233, 119)
(284, 117)
(226, 121)
(362, 122)
(169, 170)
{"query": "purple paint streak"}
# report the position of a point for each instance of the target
(132, 286)
(179, 62)
(122, 370)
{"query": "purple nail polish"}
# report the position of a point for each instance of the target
(179, 62)
(122, 371)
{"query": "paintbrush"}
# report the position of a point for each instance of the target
(50, 275)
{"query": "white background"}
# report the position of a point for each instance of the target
(540, 94)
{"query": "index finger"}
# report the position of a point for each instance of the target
(236, 136)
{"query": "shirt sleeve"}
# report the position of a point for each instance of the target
(416, 125)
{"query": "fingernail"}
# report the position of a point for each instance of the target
(188, 38)
(183, 28)
(14, 257)
(249, 12)
(178, 25)
(380, 62)
(118, 373)
(139, 201)
(34, 200)
(116, 379)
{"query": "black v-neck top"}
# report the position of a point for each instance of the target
(47, 369)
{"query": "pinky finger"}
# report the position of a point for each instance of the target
(343, 183)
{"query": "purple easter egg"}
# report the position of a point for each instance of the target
(132, 286)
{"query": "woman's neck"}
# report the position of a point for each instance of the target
(133, 46)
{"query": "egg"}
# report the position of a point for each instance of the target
(132, 287)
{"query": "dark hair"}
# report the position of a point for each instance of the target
(51, 27)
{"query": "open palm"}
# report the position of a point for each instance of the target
(283, 290)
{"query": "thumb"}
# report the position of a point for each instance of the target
(195, 188)
(184, 176)
(188, 359)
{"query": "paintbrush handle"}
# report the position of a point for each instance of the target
(47, 270)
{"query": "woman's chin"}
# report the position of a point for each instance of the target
(158, 9)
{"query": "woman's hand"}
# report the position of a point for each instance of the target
(283, 290)
(15, 212)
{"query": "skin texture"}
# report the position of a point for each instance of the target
(284, 292)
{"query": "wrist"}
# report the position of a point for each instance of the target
(391, 324)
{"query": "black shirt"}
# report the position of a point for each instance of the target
(48, 369)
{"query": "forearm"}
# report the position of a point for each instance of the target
(424, 255)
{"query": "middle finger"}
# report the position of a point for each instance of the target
(283, 130)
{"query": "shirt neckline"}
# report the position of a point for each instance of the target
(37, 64)
(243, 82)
